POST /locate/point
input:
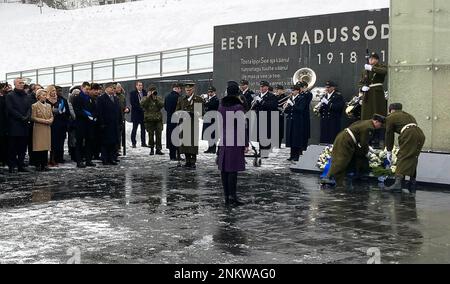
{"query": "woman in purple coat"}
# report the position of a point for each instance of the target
(231, 154)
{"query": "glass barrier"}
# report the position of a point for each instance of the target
(151, 65)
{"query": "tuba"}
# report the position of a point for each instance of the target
(306, 75)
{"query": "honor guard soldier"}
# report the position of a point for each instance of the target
(280, 92)
(411, 141)
(187, 103)
(351, 148)
(371, 84)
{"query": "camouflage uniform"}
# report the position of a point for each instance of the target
(153, 119)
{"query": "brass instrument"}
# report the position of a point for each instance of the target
(306, 75)
(353, 109)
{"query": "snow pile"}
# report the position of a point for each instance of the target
(58, 37)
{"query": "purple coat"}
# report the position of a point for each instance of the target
(231, 158)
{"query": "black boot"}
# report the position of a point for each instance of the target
(397, 186)
(159, 153)
(152, 152)
(412, 187)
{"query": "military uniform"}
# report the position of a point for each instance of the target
(374, 101)
(350, 148)
(123, 105)
(153, 120)
(411, 141)
(330, 117)
(187, 104)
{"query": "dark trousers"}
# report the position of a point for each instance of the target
(173, 151)
(17, 148)
(85, 145)
(3, 150)
(191, 159)
(281, 125)
(229, 182)
(134, 133)
(295, 153)
(31, 159)
(109, 152)
(41, 158)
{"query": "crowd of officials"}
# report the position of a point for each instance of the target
(92, 120)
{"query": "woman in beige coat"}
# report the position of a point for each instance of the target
(42, 116)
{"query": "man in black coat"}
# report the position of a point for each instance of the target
(280, 92)
(170, 105)
(247, 93)
(298, 123)
(331, 109)
(109, 120)
(86, 117)
(211, 104)
(137, 113)
(265, 104)
(18, 112)
(4, 89)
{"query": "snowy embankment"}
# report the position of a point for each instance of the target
(58, 37)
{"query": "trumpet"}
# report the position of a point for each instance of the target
(317, 108)
(282, 103)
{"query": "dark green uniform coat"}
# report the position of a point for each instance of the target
(346, 152)
(188, 106)
(411, 142)
(374, 101)
(153, 119)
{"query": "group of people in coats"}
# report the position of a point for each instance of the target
(33, 119)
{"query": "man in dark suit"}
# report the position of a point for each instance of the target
(137, 113)
(4, 89)
(211, 104)
(331, 109)
(265, 104)
(18, 112)
(170, 106)
(86, 117)
(109, 120)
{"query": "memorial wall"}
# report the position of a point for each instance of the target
(333, 46)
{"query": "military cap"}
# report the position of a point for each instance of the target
(264, 84)
(212, 89)
(297, 87)
(330, 84)
(244, 83)
(189, 83)
(279, 87)
(375, 56)
(395, 106)
(152, 88)
(379, 118)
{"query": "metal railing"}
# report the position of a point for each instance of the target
(191, 60)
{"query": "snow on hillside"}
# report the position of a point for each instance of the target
(58, 37)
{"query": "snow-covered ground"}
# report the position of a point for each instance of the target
(58, 37)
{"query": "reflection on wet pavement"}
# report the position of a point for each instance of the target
(149, 211)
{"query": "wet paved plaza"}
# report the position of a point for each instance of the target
(149, 211)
